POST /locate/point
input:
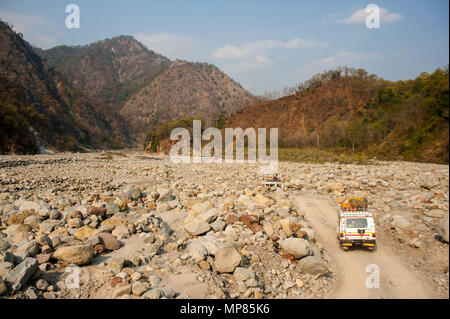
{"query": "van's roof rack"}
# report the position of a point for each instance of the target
(355, 213)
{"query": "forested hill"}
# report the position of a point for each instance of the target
(107, 94)
(110, 70)
(146, 88)
(353, 110)
(39, 109)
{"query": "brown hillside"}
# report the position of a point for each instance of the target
(349, 109)
(185, 90)
(302, 118)
(38, 108)
(109, 70)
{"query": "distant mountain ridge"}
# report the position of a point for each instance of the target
(109, 70)
(74, 97)
(39, 109)
(185, 89)
(146, 88)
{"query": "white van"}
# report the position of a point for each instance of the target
(356, 228)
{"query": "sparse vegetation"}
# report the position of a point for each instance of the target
(100, 69)
(318, 155)
(37, 106)
(163, 131)
(361, 113)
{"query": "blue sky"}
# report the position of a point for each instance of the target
(264, 45)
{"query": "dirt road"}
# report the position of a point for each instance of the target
(396, 280)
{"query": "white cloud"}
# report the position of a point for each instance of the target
(260, 48)
(300, 43)
(170, 45)
(249, 64)
(254, 55)
(31, 27)
(343, 58)
(23, 23)
(231, 52)
(361, 15)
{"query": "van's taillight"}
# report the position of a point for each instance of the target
(341, 234)
(373, 234)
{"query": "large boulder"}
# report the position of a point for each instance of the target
(121, 231)
(3, 287)
(218, 225)
(197, 251)
(122, 290)
(133, 192)
(311, 265)
(6, 256)
(113, 221)
(117, 263)
(30, 248)
(296, 247)
(208, 216)
(98, 211)
(22, 272)
(435, 213)
(109, 241)
(227, 258)
(200, 208)
(401, 222)
(310, 233)
(262, 200)
(289, 225)
(85, 233)
(165, 195)
(252, 222)
(113, 208)
(242, 274)
(211, 244)
(337, 187)
(19, 218)
(33, 221)
(78, 255)
(197, 227)
(6, 267)
(443, 228)
(138, 288)
(268, 228)
(4, 245)
(39, 206)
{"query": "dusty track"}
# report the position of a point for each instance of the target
(396, 279)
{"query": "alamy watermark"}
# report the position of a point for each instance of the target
(73, 277)
(212, 152)
(373, 16)
(373, 279)
(73, 19)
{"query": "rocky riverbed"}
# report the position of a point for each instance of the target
(134, 225)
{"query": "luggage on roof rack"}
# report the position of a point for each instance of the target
(355, 204)
(358, 202)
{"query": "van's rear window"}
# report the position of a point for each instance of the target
(356, 223)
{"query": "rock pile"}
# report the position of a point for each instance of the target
(84, 226)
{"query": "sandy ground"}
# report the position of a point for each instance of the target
(396, 279)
